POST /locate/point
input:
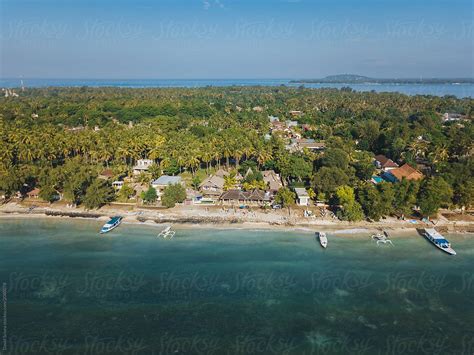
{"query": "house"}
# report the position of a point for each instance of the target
(233, 196)
(142, 166)
(33, 193)
(302, 196)
(257, 109)
(212, 187)
(384, 163)
(117, 185)
(450, 117)
(278, 126)
(273, 119)
(405, 171)
(106, 174)
(272, 180)
(163, 181)
(222, 173)
(255, 197)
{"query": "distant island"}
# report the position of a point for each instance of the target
(360, 79)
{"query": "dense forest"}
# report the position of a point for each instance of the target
(59, 139)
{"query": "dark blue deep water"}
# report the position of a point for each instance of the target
(69, 291)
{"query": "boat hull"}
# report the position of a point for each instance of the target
(449, 250)
(323, 240)
(107, 230)
(111, 227)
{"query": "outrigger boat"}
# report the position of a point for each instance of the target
(438, 240)
(323, 240)
(382, 238)
(166, 233)
(112, 224)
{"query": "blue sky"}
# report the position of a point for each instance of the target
(235, 39)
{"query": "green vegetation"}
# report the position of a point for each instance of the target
(350, 209)
(150, 196)
(285, 197)
(60, 139)
(98, 193)
(172, 195)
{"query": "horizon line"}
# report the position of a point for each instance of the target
(255, 78)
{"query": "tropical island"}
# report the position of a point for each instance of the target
(360, 79)
(338, 153)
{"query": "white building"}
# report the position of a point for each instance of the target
(163, 181)
(302, 197)
(142, 166)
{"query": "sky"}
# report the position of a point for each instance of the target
(210, 39)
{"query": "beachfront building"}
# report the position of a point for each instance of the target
(406, 171)
(142, 166)
(302, 196)
(212, 188)
(384, 163)
(33, 193)
(245, 198)
(163, 181)
(272, 180)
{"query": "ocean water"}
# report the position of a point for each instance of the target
(69, 291)
(458, 90)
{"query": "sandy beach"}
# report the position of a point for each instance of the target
(228, 218)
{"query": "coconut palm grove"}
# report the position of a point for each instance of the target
(366, 155)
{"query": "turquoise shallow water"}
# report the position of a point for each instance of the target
(230, 292)
(458, 90)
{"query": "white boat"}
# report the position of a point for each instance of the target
(438, 240)
(113, 223)
(323, 240)
(382, 238)
(166, 233)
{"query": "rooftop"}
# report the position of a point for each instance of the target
(406, 171)
(385, 162)
(167, 180)
(301, 192)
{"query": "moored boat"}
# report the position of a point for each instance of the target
(323, 240)
(114, 222)
(382, 238)
(167, 233)
(438, 240)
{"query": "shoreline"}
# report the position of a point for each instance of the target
(236, 222)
